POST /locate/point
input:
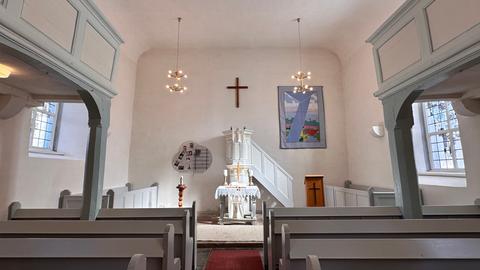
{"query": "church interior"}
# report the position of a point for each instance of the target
(217, 135)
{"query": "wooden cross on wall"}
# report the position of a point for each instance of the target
(237, 88)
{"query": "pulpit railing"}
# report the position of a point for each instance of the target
(271, 175)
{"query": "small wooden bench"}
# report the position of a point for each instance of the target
(381, 244)
(184, 219)
(55, 245)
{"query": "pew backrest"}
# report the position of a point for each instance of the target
(404, 244)
(183, 218)
(83, 244)
(275, 217)
(137, 262)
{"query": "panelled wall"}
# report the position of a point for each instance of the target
(420, 35)
(421, 44)
(72, 31)
(65, 34)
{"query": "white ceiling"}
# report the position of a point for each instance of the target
(33, 77)
(338, 25)
(461, 82)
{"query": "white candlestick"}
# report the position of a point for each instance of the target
(181, 180)
(225, 173)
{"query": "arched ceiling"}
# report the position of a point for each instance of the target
(338, 25)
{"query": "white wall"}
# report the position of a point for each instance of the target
(73, 131)
(162, 121)
(470, 134)
(119, 133)
(37, 182)
(368, 157)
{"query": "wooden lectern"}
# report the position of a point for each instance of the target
(314, 190)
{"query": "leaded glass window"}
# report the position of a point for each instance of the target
(443, 136)
(44, 122)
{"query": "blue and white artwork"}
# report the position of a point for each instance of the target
(302, 118)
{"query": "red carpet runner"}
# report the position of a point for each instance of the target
(221, 259)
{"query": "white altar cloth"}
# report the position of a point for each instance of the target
(239, 192)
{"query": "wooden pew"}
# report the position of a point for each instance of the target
(137, 262)
(106, 245)
(185, 239)
(285, 215)
(275, 217)
(381, 244)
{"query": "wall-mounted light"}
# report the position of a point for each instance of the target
(5, 71)
(378, 130)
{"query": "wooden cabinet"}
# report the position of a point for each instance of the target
(314, 190)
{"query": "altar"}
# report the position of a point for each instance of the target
(240, 203)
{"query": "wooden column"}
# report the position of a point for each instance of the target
(98, 112)
(399, 124)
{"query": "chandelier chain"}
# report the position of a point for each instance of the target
(299, 46)
(178, 41)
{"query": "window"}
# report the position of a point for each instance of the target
(442, 136)
(43, 126)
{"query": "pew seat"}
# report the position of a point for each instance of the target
(97, 245)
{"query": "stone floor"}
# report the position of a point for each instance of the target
(209, 231)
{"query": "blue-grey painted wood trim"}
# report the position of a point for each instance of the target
(399, 121)
(101, 18)
(400, 27)
(392, 20)
(92, 24)
(454, 53)
(11, 23)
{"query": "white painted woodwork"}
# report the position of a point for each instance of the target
(97, 53)
(271, 175)
(339, 194)
(448, 19)
(329, 196)
(400, 51)
(346, 197)
(269, 170)
(54, 18)
(139, 198)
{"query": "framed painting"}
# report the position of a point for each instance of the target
(302, 118)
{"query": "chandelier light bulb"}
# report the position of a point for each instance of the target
(167, 86)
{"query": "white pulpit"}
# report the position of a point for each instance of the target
(238, 195)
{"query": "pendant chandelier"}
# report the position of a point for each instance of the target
(301, 76)
(178, 74)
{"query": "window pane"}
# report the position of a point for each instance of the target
(43, 128)
(443, 135)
